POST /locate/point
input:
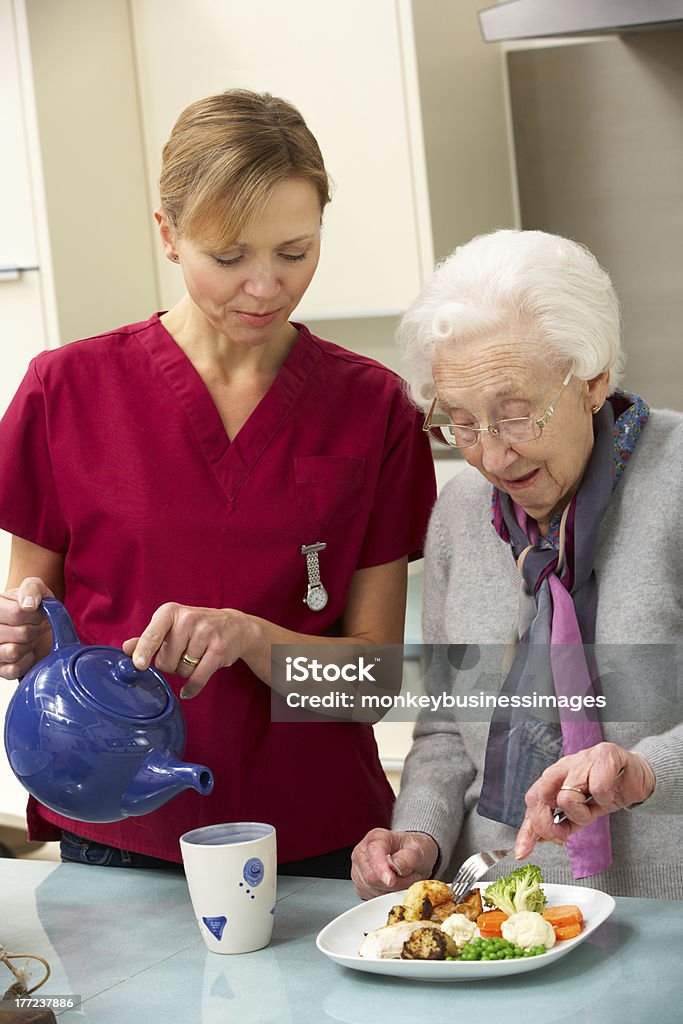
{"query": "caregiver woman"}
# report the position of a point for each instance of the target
(565, 528)
(164, 477)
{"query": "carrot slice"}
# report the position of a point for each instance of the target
(567, 931)
(561, 917)
(489, 923)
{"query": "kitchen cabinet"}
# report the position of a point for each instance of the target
(406, 100)
(24, 293)
(25, 282)
(96, 220)
(407, 173)
(72, 197)
(26, 308)
(351, 70)
(407, 103)
(73, 200)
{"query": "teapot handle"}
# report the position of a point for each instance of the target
(63, 629)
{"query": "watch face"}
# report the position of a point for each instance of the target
(316, 599)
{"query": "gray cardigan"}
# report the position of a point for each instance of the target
(471, 593)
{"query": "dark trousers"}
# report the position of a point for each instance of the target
(76, 849)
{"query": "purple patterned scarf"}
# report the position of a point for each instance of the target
(558, 603)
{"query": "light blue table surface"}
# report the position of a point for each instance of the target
(127, 942)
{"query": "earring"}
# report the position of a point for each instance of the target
(597, 408)
(175, 257)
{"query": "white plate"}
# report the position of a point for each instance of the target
(340, 940)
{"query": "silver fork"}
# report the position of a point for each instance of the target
(474, 868)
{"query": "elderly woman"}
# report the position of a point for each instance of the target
(563, 526)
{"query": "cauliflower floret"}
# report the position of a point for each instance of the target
(526, 928)
(460, 929)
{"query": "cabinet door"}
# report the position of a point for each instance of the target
(21, 299)
(350, 68)
(22, 312)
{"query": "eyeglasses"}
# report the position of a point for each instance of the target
(515, 431)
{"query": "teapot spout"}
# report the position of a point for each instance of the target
(161, 777)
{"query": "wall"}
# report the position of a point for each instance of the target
(598, 133)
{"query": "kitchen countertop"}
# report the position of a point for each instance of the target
(127, 942)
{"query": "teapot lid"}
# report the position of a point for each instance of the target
(110, 680)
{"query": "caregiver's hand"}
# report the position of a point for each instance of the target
(384, 861)
(613, 776)
(25, 633)
(193, 642)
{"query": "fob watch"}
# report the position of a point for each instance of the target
(316, 596)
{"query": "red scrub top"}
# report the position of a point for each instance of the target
(114, 454)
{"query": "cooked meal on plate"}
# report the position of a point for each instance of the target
(519, 923)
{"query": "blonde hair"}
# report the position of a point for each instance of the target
(548, 284)
(225, 156)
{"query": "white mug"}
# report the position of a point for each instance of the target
(231, 872)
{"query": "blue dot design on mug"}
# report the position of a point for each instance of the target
(253, 872)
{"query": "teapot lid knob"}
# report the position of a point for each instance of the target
(126, 672)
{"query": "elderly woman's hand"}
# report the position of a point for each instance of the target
(384, 861)
(193, 642)
(613, 776)
(25, 633)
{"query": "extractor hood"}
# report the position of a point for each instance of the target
(531, 19)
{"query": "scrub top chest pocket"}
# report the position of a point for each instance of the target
(329, 488)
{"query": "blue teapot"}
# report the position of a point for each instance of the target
(94, 738)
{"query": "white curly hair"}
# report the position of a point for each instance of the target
(544, 283)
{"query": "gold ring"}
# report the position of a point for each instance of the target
(572, 789)
(187, 659)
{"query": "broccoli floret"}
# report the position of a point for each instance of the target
(520, 890)
(529, 894)
(499, 894)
